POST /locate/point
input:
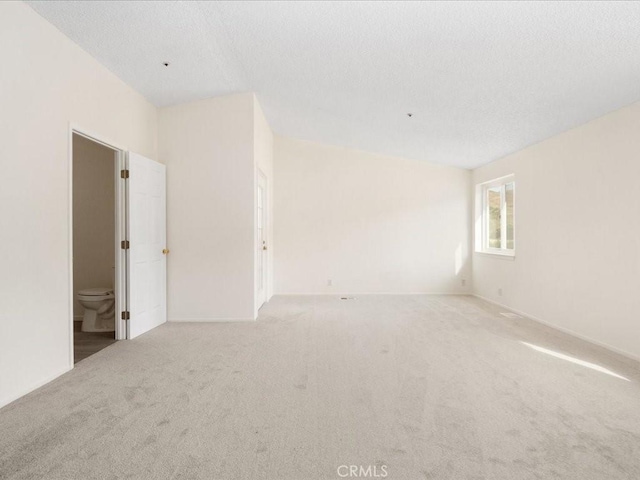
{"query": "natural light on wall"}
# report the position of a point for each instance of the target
(577, 361)
(458, 259)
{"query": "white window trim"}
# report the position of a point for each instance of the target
(483, 218)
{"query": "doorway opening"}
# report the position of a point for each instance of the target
(262, 258)
(117, 197)
(98, 266)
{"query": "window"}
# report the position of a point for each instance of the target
(497, 217)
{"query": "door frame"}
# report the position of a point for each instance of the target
(120, 231)
(261, 177)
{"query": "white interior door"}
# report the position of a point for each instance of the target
(147, 234)
(261, 240)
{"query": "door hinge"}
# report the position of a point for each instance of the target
(124, 173)
(125, 315)
(124, 244)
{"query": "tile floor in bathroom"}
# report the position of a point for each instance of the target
(86, 344)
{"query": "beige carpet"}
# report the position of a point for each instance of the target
(428, 387)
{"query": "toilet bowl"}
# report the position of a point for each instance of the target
(99, 309)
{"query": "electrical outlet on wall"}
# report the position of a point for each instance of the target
(500, 292)
(329, 283)
(463, 282)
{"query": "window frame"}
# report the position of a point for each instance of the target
(482, 246)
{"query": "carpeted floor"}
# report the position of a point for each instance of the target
(414, 387)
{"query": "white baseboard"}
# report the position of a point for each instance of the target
(338, 294)
(568, 331)
(209, 319)
(7, 400)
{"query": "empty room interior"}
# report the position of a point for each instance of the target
(320, 240)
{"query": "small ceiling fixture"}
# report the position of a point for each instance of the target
(409, 115)
(166, 64)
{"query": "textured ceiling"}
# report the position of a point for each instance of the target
(483, 79)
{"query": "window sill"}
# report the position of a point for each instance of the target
(501, 256)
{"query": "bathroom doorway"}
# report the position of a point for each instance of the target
(118, 252)
(94, 193)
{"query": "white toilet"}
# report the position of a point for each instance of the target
(99, 309)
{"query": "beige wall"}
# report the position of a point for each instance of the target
(93, 217)
(369, 223)
(577, 232)
(208, 147)
(46, 83)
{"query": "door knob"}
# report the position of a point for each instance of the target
(165, 251)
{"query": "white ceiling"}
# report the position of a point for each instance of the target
(482, 79)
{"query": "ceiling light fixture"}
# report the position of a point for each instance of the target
(166, 64)
(409, 115)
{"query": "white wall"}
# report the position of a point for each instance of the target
(369, 223)
(263, 154)
(208, 147)
(46, 82)
(577, 232)
(94, 227)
